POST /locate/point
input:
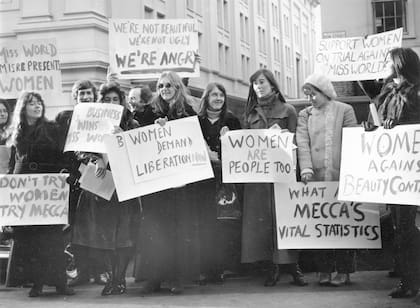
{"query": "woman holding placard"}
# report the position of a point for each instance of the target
(37, 255)
(266, 108)
(399, 103)
(108, 226)
(318, 138)
(168, 235)
(217, 229)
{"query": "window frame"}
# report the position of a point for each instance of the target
(404, 15)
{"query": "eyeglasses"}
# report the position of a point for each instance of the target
(166, 85)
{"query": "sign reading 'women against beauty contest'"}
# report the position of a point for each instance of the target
(29, 65)
(257, 155)
(381, 166)
(33, 199)
(154, 158)
(144, 48)
(309, 216)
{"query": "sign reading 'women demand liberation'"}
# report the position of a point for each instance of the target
(357, 58)
(257, 155)
(33, 199)
(154, 158)
(142, 49)
(310, 217)
(29, 65)
(381, 166)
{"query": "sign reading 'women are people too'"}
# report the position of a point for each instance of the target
(142, 49)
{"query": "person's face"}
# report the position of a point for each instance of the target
(113, 98)
(134, 99)
(316, 98)
(4, 115)
(262, 86)
(216, 99)
(33, 109)
(166, 90)
(85, 96)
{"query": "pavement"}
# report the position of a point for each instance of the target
(368, 289)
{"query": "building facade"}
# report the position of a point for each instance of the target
(236, 37)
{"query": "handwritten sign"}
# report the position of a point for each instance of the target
(33, 199)
(102, 187)
(29, 65)
(89, 124)
(144, 48)
(357, 58)
(257, 155)
(155, 158)
(310, 217)
(387, 168)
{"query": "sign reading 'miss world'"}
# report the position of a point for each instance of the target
(144, 48)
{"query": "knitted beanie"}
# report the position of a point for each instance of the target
(322, 83)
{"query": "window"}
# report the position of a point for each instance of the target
(223, 14)
(242, 25)
(245, 67)
(148, 13)
(160, 16)
(246, 29)
(389, 15)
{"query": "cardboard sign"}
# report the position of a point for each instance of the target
(89, 124)
(144, 48)
(257, 155)
(33, 199)
(102, 187)
(357, 58)
(310, 217)
(155, 158)
(381, 166)
(29, 65)
(4, 159)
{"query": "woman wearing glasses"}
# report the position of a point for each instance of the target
(318, 137)
(108, 226)
(168, 234)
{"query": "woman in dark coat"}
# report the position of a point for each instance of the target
(218, 239)
(38, 251)
(399, 103)
(266, 107)
(168, 248)
(108, 226)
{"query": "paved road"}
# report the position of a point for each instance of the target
(369, 289)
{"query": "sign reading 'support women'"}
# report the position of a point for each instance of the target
(143, 48)
(29, 65)
(381, 166)
(357, 58)
(310, 217)
(89, 124)
(33, 199)
(257, 155)
(155, 158)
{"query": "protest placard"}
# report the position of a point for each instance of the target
(155, 158)
(381, 166)
(29, 65)
(4, 159)
(33, 199)
(310, 217)
(144, 48)
(357, 58)
(103, 187)
(89, 124)
(257, 155)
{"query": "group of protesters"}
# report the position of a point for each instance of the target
(174, 236)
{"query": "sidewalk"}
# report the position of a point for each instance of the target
(369, 289)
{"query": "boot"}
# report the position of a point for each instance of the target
(324, 279)
(273, 276)
(35, 291)
(340, 279)
(298, 278)
(107, 290)
(402, 291)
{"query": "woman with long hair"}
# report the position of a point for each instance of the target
(168, 249)
(107, 227)
(398, 103)
(215, 120)
(5, 119)
(38, 251)
(265, 108)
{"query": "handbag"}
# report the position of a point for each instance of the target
(227, 202)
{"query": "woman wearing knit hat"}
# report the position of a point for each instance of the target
(318, 136)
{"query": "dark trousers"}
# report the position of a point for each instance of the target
(407, 244)
(340, 260)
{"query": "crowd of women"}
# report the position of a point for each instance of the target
(174, 236)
